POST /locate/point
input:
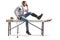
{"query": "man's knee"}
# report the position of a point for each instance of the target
(26, 20)
(29, 12)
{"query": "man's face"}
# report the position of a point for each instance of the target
(25, 4)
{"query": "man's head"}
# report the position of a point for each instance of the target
(24, 3)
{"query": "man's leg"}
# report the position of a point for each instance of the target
(40, 16)
(27, 14)
(27, 28)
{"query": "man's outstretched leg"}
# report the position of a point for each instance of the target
(38, 17)
(33, 14)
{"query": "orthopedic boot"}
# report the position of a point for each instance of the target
(34, 15)
(39, 17)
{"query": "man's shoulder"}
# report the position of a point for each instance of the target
(17, 7)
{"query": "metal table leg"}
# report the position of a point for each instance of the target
(42, 30)
(17, 31)
(9, 28)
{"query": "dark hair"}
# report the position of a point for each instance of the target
(23, 2)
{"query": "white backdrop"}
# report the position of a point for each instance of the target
(50, 9)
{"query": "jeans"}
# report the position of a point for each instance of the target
(23, 18)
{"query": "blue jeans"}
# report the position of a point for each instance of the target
(23, 18)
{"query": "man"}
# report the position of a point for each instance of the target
(22, 13)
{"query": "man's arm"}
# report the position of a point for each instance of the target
(27, 7)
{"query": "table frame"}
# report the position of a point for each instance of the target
(10, 21)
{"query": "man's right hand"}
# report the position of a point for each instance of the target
(18, 17)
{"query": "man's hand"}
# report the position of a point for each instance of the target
(26, 5)
(18, 16)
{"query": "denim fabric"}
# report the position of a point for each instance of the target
(23, 18)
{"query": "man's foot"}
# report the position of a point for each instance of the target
(28, 32)
(39, 17)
